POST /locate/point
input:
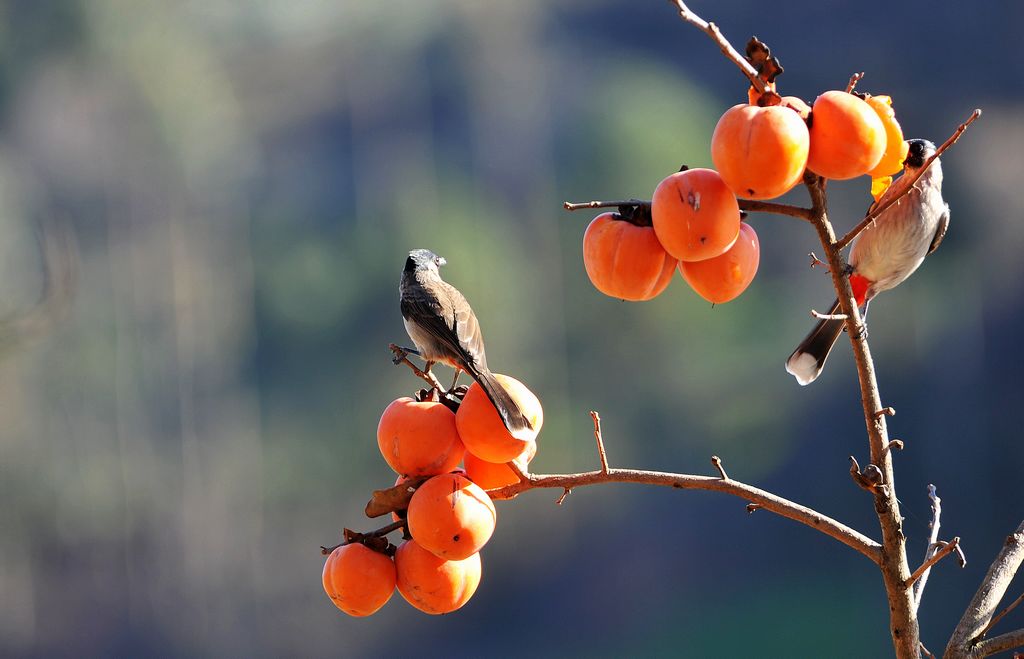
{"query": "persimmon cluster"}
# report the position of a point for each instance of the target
(450, 515)
(761, 149)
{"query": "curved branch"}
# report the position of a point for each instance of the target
(723, 44)
(906, 185)
(763, 499)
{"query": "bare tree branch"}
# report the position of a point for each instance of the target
(723, 44)
(966, 639)
(752, 205)
(933, 539)
(764, 500)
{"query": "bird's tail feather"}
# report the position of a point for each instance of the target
(509, 411)
(808, 359)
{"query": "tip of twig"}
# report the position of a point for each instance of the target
(717, 462)
(751, 507)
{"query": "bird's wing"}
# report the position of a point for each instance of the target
(940, 232)
(467, 329)
(450, 320)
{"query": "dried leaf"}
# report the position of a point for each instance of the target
(760, 57)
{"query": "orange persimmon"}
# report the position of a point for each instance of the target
(847, 137)
(895, 146)
(451, 516)
(432, 584)
(624, 260)
(481, 429)
(492, 475)
(419, 439)
(359, 580)
(695, 215)
(724, 277)
(760, 152)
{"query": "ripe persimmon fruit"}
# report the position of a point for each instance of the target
(419, 439)
(432, 584)
(451, 516)
(493, 475)
(695, 215)
(895, 146)
(358, 579)
(481, 429)
(624, 260)
(724, 277)
(760, 152)
(847, 137)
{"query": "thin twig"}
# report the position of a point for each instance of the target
(717, 461)
(731, 53)
(566, 492)
(581, 205)
(907, 185)
(828, 316)
(761, 498)
(999, 616)
(926, 651)
(402, 357)
(752, 205)
(378, 533)
(947, 549)
(885, 411)
(854, 79)
(600, 442)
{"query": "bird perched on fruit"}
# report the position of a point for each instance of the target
(444, 328)
(887, 252)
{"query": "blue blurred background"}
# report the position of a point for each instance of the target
(192, 411)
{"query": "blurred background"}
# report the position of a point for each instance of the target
(225, 193)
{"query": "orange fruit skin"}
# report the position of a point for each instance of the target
(419, 439)
(481, 429)
(847, 137)
(432, 584)
(624, 260)
(695, 214)
(724, 277)
(760, 153)
(451, 516)
(895, 147)
(493, 475)
(359, 580)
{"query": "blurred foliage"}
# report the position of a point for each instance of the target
(244, 181)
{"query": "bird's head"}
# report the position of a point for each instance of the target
(917, 152)
(421, 260)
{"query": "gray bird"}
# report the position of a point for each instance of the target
(887, 252)
(444, 328)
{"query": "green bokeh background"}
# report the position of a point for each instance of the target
(243, 181)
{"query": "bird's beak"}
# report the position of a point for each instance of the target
(441, 261)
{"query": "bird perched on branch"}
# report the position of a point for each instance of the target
(444, 328)
(885, 253)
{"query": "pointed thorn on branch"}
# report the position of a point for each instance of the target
(885, 411)
(717, 461)
(600, 441)
(895, 445)
(751, 507)
(566, 492)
